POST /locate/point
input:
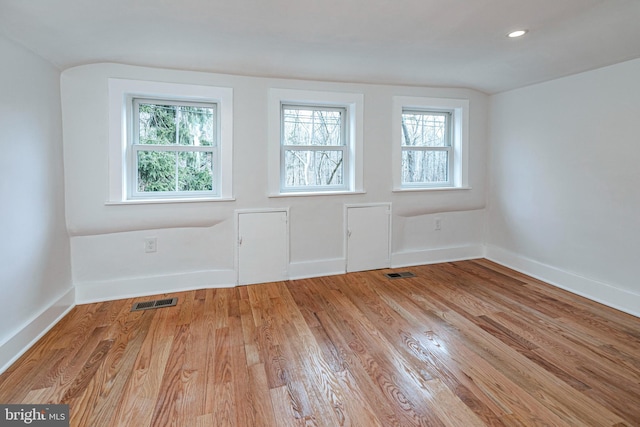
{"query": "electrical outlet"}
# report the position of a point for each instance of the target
(150, 244)
(438, 224)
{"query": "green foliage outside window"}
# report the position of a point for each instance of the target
(165, 134)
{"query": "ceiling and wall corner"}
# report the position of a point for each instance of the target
(455, 43)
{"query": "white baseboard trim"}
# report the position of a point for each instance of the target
(332, 267)
(617, 298)
(324, 267)
(132, 287)
(22, 341)
(434, 256)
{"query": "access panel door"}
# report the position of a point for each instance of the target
(368, 237)
(263, 247)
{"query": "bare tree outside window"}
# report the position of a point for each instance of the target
(426, 147)
(314, 149)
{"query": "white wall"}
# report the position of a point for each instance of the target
(564, 192)
(196, 241)
(35, 277)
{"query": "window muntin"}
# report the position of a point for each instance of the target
(426, 144)
(174, 149)
(314, 149)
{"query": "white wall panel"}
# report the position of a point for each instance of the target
(35, 266)
(564, 177)
(193, 237)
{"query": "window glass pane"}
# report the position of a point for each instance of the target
(157, 124)
(176, 124)
(424, 166)
(425, 129)
(304, 126)
(175, 171)
(196, 125)
(305, 168)
(195, 171)
(156, 171)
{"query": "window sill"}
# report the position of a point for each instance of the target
(169, 201)
(410, 190)
(311, 194)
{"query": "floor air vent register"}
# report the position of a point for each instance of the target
(400, 275)
(148, 305)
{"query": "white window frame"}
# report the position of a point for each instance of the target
(121, 115)
(352, 103)
(458, 134)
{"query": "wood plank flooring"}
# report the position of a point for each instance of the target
(462, 344)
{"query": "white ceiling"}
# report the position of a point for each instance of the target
(458, 43)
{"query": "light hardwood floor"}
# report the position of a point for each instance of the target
(462, 344)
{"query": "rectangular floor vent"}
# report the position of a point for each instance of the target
(147, 305)
(400, 275)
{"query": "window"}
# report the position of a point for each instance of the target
(426, 147)
(431, 147)
(174, 149)
(169, 142)
(315, 142)
(314, 150)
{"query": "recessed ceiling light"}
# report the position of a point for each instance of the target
(517, 33)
